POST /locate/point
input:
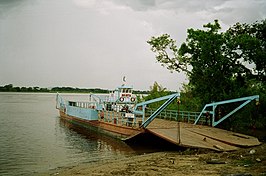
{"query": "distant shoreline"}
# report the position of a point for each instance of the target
(36, 89)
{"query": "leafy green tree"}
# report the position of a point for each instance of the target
(156, 91)
(202, 54)
(215, 62)
(23, 89)
(189, 102)
(17, 89)
(167, 53)
(36, 89)
(219, 65)
(250, 44)
(8, 87)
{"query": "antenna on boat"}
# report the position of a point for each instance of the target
(124, 80)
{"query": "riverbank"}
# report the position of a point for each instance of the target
(250, 161)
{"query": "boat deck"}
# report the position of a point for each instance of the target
(199, 136)
(186, 134)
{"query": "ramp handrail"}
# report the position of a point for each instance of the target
(215, 104)
(169, 99)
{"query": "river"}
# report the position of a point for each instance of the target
(33, 139)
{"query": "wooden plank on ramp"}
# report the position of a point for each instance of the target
(198, 136)
(190, 139)
(228, 137)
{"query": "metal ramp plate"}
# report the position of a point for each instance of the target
(198, 136)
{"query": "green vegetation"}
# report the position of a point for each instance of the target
(157, 90)
(78, 90)
(11, 88)
(219, 66)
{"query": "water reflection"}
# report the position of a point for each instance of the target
(33, 139)
(101, 143)
(144, 143)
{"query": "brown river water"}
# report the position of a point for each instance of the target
(33, 139)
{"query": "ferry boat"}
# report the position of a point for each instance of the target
(111, 114)
(120, 115)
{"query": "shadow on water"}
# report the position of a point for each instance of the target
(143, 143)
(92, 136)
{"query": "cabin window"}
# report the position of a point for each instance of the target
(71, 103)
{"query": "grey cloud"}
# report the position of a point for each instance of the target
(89, 43)
(7, 5)
(244, 11)
(177, 5)
(138, 5)
(228, 11)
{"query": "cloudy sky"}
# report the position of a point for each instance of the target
(94, 43)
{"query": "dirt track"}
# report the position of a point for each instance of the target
(251, 161)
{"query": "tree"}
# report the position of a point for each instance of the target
(202, 53)
(167, 53)
(250, 43)
(8, 87)
(156, 91)
(216, 60)
(219, 65)
(211, 69)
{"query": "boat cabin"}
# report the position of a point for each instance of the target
(123, 94)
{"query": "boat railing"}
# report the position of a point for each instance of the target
(121, 118)
(117, 117)
(128, 119)
(175, 115)
(80, 104)
(60, 102)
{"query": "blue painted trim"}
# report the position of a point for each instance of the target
(158, 111)
(215, 104)
(169, 99)
(83, 113)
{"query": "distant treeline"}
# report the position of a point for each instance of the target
(11, 88)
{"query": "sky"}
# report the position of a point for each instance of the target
(95, 43)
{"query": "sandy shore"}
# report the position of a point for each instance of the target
(251, 161)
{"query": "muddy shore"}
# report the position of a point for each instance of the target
(248, 161)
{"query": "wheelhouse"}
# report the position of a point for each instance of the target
(123, 94)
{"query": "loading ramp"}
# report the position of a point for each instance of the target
(194, 135)
(199, 136)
